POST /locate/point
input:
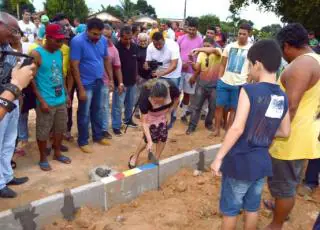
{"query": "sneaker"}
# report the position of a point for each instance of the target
(86, 149)
(190, 130)
(107, 135)
(117, 132)
(131, 124)
(184, 120)
(6, 192)
(104, 141)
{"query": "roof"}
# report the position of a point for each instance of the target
(104, 16)
(145, 19)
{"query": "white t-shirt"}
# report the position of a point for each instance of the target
(171, 34)
(169, 52)
(237, 68)
(29, 30)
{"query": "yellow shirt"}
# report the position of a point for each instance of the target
(152, 32)
(303, 142)
(209, 66)
(65, 53)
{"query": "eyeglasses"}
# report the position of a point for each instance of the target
(14, 31)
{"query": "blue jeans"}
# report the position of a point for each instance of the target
(91, 109)
(23, 131)
(240, 194)
(129, 102)
(117, 105)
(105, 108)
(8, 136)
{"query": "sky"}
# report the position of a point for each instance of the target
(194, 8)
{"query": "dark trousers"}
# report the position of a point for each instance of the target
(312, 173)
(70, 122)
(202, 94)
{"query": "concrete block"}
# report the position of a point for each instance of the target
(89, 195)
(190, 159)
(8, 221)
(129, 187)
(41, 212)
(210, 153)
(170, 166)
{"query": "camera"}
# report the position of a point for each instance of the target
(6, 68)
(154, 65)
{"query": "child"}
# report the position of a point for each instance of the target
(207, 67)
(243, 158)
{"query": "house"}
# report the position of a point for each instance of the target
(106, 17)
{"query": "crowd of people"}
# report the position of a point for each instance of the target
(150, 74)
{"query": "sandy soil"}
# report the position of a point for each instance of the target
(116, 155)
(189, 204)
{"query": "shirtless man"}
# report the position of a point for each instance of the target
(300, 81)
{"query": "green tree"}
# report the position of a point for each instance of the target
(144, 8)
(10, 6)
(114, 11)
(207, 20)
(127, 9)
(270, 31)
(304, 11)
(72, 8)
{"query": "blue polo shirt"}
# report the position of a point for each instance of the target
(91, 56)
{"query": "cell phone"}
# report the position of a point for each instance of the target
(27, 61)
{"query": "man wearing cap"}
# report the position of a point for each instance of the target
(42, 29)
(52, 98)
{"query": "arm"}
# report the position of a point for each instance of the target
(296, 80)
(223, 66)
(196, 68)
(234, 132)
(284, 128)
(209, 50)
(146, 130)
(171, 68)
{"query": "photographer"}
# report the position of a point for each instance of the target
(158, 99)
(10, 91)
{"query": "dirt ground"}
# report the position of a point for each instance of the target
(189, 204)
(116, 155)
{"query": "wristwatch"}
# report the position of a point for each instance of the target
(12, 89)
(7, 105)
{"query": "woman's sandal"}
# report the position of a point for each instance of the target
(129, 163)
(268, 204)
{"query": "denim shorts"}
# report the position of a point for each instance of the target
(227, 95)
(237, 195)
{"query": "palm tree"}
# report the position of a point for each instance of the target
(127, 8)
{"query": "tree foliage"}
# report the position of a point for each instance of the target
(10, 6)
(144, 8)
(71, 8)
(269, 31)
(114, 11)
(304, 11)
(207, 20)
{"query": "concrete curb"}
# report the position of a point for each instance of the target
(120, 188)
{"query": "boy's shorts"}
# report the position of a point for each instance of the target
(287, 175)
(240, 194)
(55, 121)
(186, 87)
(227, 95)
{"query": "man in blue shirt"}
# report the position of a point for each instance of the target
(89, 61)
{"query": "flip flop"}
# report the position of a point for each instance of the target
(268, 204)
(129, 163)
(44, 166)
(62, 159)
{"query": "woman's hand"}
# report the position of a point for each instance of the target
(215, 167)
(149, 146)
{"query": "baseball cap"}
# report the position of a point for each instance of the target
(44, 19)
(55, 31)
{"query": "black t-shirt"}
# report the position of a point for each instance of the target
(128, 58)
(145, 105)
(141, 57)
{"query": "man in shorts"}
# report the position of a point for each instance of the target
(51, 93)
(187, 43)
(301, 82)
(234, 74)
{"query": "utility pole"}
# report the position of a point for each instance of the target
(185, 10)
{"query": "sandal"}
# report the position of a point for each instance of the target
(62, 159)
(131, 166)
(44, 166)
(270, 205)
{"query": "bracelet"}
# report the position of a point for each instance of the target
(6, 104)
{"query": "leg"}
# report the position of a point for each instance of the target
(159, 148)
(229, 223)
(23, 127)
(230, 118)
(251, 220)
(96, 111)
(83, 117)
(116, 113)
(211, 96)
(135, 158)
(218, 117)
(129, 103)
(105, 108)
(198, 102)
(70, 122)
(225, 117)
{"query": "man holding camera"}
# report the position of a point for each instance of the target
(10, 92)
